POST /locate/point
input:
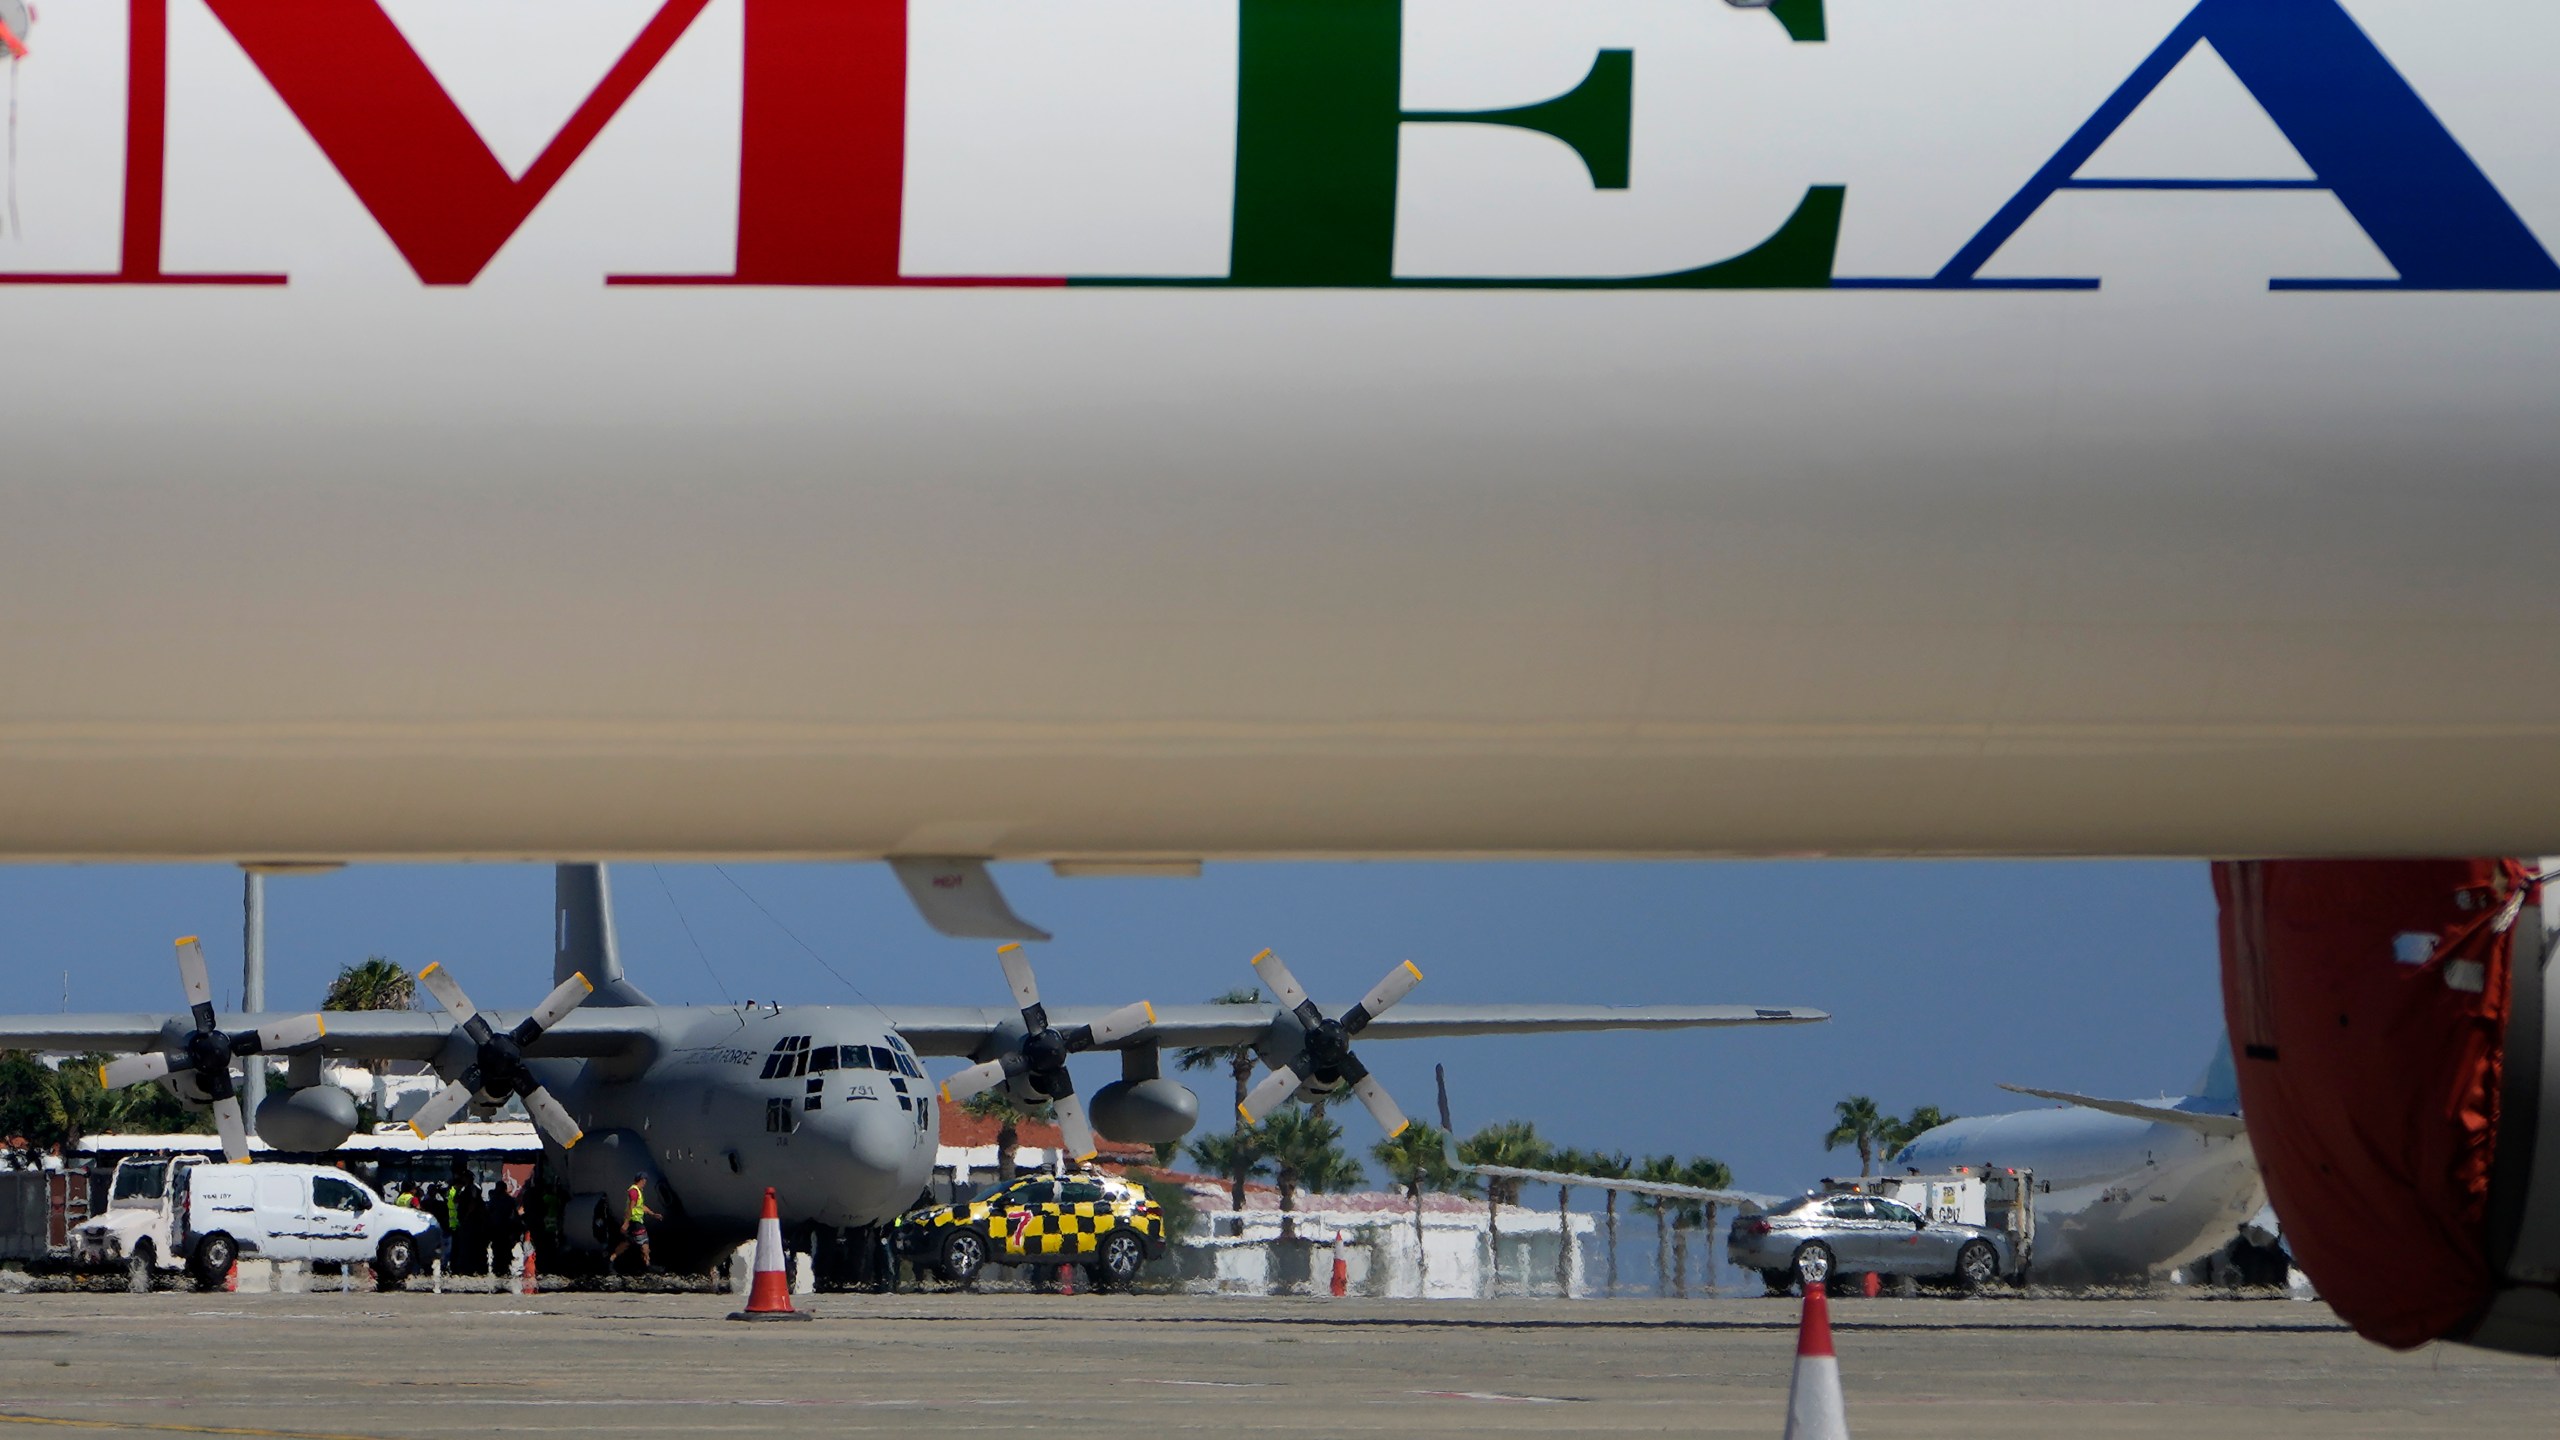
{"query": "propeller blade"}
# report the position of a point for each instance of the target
(554, 1007)
(1398, 984)
(1078, 1130)
(975, 1081)
(1017, 973)
(448, 991)
(1284, 986)
(1119, 1025)
(442, 1107)
(1271, 1094)
(286, 1034)
(134, 1070)
(1382, 1106)
(199, 984)
(553, 1117)
(235, 1130)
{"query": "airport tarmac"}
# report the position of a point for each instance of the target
(388, 1367)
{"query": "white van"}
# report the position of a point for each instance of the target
(295, 1212)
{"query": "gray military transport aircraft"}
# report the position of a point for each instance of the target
(828, 1105)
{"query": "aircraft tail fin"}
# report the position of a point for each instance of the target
(582, 935)
(2219, 1081)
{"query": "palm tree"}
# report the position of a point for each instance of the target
(1567, 1162)
(1238, 1060)
(1008, 1117)
(1513, 1144)
(1302, 1145)
(1418, 1158)
(1239, 1156)
(1860, 1124)
(1610, 1165)
(373, 983)
(1707, 1174)
(1661, 1170)
(56, 1107)
(1900, 1133)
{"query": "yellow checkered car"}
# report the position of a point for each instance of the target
(1101, 1222)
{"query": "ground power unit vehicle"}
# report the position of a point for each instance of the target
(188, 1213)
(1966, 1229)
(1102, 1222)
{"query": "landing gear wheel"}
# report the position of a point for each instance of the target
(1977, 1266)
(1811, 1269)
(215, 1255)
(1116, 1265)
(963, 1256)
(393, 1259)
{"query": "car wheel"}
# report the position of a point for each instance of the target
(963, 1256)
(1116, 1265)
(215, 1255)
(393, 1259)
(137, 1268)
(1977, 1265)
(1812, 1268)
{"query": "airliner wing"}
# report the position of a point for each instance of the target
(1743, 1198)
(960, 1030)
(354, 1035)
(2207, 1123)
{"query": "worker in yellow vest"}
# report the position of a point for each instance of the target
(635, 1225)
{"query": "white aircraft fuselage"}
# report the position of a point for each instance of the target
(1127, 429)
(2130, 1199)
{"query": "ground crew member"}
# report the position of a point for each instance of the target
(636, 1218)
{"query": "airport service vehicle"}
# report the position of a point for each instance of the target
(1102, 1222)
(1121, 435)
(829, 1107)
(2126, 1189)
(187, 1213)
(143, 1227)
(1807, 1241)
(279, 1211)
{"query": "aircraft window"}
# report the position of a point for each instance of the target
(857, 1057)
(141, 1182)
(907, 1066)
(333, 1194)
(881, 1059)
(821, 1059)
(781, 1117)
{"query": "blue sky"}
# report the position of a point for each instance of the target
(1945, 977)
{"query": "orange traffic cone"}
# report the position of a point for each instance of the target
(771, 1297)
(1872, 1286)
(530, 1286)
(1814, 1410)
(1341, 1269)
(231, 1278)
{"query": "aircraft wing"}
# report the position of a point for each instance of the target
(960, 1030)
(1743, 1199)
(2205, 1122)
(355, 1035)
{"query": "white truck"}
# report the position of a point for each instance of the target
(190, 1213)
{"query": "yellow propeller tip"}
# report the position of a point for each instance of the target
(322, 1022)
(1149, 1007)
(946, 1094)
(432, 967)
(1399, 1129)
(102, 1077)
(1261, 956)
(1416, 969)
(581, 978)
(1008, 947)
(414, 1130)
(1246, 1114)
(243, 1160)
(572, 1142)
(187, 940)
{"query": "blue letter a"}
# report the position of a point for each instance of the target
(2367, 136)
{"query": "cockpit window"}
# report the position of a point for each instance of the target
(881, 1059)
(822, 1058)
(857, 1057)
(909, 1067)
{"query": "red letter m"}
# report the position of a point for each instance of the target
(404, 147)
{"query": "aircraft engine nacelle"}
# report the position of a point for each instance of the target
(309, 1121)
(2390, 1024)
(1145, 1112)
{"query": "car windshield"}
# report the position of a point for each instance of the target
(136, 1181)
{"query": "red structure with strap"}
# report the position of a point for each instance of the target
(2367, 1002)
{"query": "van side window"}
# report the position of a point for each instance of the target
(332, 1194)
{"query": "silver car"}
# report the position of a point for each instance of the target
(1808, 1241)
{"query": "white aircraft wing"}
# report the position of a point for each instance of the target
(960, 1030)
(2203, 1122)
(356, 1035)
(1743, 1198)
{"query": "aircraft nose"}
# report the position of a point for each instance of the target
(881, 1138)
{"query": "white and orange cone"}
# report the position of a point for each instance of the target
(1814, 1409)
(1341, 1269)
(771, 1297)
(528, 1285)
